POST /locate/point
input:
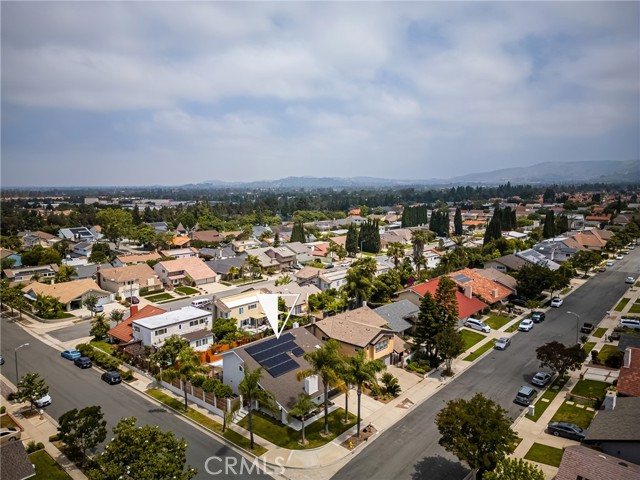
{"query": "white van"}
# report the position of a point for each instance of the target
(630, 323)
(478, 325)
(200, 302)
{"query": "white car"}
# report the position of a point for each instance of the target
(619, 257)
(556, 302)
(43, 402)
(526, 325)
(630, 280)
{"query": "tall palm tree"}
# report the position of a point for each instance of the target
(253, 263)
(303, 407)
(361, 370)
(189, 365)
(251, 391)
(418, 239)
(233, 272)
(326, 362)
(395, 250)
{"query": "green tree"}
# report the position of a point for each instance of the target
(64, 273)
(145, 451)
(7, 263)
(224, 391)
(223, 327)
(418, 239)
(82, 430)
(297, 234)
(90, 303)
(50, 256)
(144, 234)
(351, 242)
(494, 229)
(302, 408)
(360, 279)
(31, 388)
(560, 358)
(457, 222)
(327, 363)
(116, 316)
(447, 300)
(99, 326)
(391, 385)
(428, 323)
(450, 344)
(116, 224)
(101, 253)
(47, 306)
(189, 365)
(359, 371)
(514, 469)
(549, 228)
(533, 280)
(586, 260)
(395, 250)
(477, 431)
(254, 266)
(252, 392)
(168, 353)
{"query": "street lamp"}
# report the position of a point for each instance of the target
(15, 351)
(577, 325)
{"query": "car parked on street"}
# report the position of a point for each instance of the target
(83, 362)
(70, 354)
(477, 325)
(629, 280)
(112, 378)
(541, 379)
(630, 323)
(526, 395)
(43, 402)
(502, 343)
(526, 325)
(556, 302)
(567, 430)
(538, 317)
(609, 263)
(9, 434)
(619, 257)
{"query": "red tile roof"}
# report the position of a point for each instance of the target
(629, 377)
(124, 331)
(488, 290)
(466, 306)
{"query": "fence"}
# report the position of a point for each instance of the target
(200, 397)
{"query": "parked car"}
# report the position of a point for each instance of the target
(556, 302)
(132, 300)
(83, 362)
(98, 309)
(43, 402)
(519, 302)
(587, 327)
(526, 395)
(112, 378)
(619, 257)
(609, 263)
(629, 280)
(630, 323)
(70, 354)
(526, 325)
(9, 434)
(538, 317)
(602, 269)
(1, 360)
(541, 379)
(477, 325)
(502, 343)
(567, 430)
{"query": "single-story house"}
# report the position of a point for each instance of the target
(122, 260)
(31, 239)
(223, 267)
(497, 276)
(473, 283)
(130, 280)
(77, 234)
(184, 271)
(27, 274)
(70, 294)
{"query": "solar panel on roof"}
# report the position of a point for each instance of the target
(298, 352)
(283, 368)
(461, 278)
(276, 360)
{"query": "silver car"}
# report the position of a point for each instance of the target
(502, 343)
(541, 379)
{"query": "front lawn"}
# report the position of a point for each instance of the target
(622, 304)
(635, 308)
(149, 293)
(545, 454)
(102, 345)
(591, 389)
(187, 290)
(606, 352)
(513, 327)
(470, 338)
(599, 332)
(497, 322)
(587, 347)
(286, 437)
(572, 414)
(46, 467)
(158, 298)
(550, 394)
(476, 353)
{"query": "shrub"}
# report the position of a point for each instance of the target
(198, 380)
(594, 356)
(3, 409)
(85, 350)
(54, 438)
(34, 447)
(127, 376)
(614, 360)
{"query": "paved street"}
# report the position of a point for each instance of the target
(71, 387)
(410, 450)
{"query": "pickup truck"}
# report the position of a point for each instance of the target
(586, 328)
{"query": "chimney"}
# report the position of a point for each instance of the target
(495, 293)
(133, 309)
(311, 384)
(609, 402)
(468, 291)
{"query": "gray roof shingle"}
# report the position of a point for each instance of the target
(396, 313)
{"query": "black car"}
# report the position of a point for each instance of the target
(132, 300)
(112, 378)
(83, 362)
(1, 360)
(567, 430)
(538, 317)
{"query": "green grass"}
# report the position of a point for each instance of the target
(476, 353)
(102, 345)
(587, 347)
(46, 467)
(572, 414)
(622, 304)
(497, 322)
(591, 389)
(160, 297)
(151, 293)
(513, 327)
(599, 332)
(206, 422)
(470, 338)
(550, 394)
(187, 290)
(545, 454)
(635, 308)
(606, 351)
(287, 437)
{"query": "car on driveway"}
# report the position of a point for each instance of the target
(541, 379)
(83, 362)
(43, 402)
(538, 317)
(630, 280)
(526, 325)
(9, 434)
(70, 354)
(567, 430)
(112, 378)
(556, 302)
(502, 343)
(98, 309)
(132, 300)
(477, 325)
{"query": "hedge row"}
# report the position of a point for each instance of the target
(98, 357)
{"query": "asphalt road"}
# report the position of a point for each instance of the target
(71, 387)
(410, 449)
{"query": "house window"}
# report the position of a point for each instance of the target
(193, 323)
(225, 315)
(202, 320)
(382, 345)
(161, 331)
(180, 327)
(136, 329)
(240, 310)
(252, 306)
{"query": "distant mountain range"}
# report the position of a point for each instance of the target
(546, 173)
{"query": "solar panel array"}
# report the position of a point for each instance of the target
(273, 355)
(461, 278)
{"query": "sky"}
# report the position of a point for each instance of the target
(170, 93)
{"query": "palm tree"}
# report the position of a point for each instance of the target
(189, 364)
(64, 273)
(253, 263)
(233, 272)
(418, 239)
(302, 408)
(326, 362)
(395, 250)
(362, 371)
(252, 392)
(116, 316)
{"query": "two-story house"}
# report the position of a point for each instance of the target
(43, 273)
(191, 270)
(188, 322)
(44, 239)
(129, 280)
(243, 306)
